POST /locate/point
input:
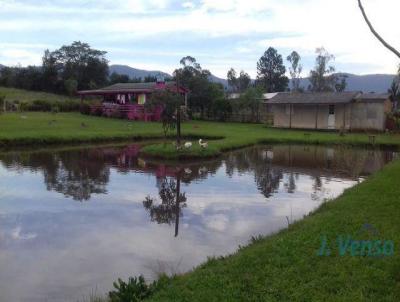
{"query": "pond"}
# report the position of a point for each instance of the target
(73, 221)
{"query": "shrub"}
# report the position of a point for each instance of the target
(69, 105)
(134, 290)
(24, 106)
(2, 100)
(55, 109)
(85, 108)
(222, 109)
(40, 105)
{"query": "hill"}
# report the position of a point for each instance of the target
(136, 73)
(364, 83)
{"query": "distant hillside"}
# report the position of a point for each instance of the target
(136, 73)
(216, 79)
(364, 83)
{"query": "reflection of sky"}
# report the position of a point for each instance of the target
(61, 249)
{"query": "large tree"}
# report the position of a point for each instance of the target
(295, 70)
(202, 91)
(80, 62)
(323, 77)
(238, 84)
(271, 71)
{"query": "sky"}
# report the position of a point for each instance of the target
(220, 34)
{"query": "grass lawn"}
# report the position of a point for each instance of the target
(47, 128)
(13, 94)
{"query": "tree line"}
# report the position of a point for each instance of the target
(66, 70)
(271, 74)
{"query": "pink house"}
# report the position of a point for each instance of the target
(128, 99)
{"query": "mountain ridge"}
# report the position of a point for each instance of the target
(377, 82)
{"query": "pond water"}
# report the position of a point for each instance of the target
(72, 222)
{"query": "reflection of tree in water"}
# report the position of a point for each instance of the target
(290, 185)
(172, 202)
(72, 173)
(77, 176)
(266, 176)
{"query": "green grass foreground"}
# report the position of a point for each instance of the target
(46, 128)
(286, 266)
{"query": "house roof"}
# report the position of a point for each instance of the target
(371, 97)
(131, 88)
(325, 98)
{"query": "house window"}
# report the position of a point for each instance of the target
(332, 109)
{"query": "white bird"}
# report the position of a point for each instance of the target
(187, 171)
(203, 144)
(188, 145)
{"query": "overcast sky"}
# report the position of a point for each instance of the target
(155, 34)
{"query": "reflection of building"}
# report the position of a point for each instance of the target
(329, 161)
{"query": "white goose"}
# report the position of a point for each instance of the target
(203, 144)
(188, 145)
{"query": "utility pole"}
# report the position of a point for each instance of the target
(178, 115)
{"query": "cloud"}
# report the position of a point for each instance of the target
(172, 28)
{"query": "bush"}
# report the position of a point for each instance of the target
(222, 109)
(2, 100)
(135, 290)
(85, 109)
(55, 109)
(40, 105)
(24, 106)
(69, 105)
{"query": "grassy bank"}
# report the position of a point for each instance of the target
(287, 267)
(61, 128)
(21, 95)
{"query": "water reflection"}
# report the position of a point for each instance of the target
(172, 202)
(81, 173)
(145, 217)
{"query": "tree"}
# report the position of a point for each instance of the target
(251, 100)
(172, 202)
(244, 81)
(341, 83)
(79, 61)
(222, 108)
(202, 92)
(71, 86)
(375, 33)
(238, 84)
(394, 91)
(149, 79)
(295, 70)
(323, 77)
(271, 71)
(50, 72)
(171, 102)
(232, 79)
(118, 78)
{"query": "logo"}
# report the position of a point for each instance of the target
(366, 243)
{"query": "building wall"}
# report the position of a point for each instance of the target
(310, 116)
(369, 115)
(353, 116)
